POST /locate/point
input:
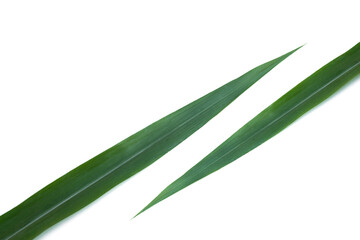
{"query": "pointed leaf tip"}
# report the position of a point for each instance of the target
(291, 106)
(89, 181)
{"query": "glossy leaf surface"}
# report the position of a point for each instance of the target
(303, 97)
(89, 181)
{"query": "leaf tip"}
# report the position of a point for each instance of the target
(143, 210)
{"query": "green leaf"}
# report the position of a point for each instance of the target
(303, 97)
(89, 181)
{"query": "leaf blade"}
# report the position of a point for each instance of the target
(288, 108)
(89, 181)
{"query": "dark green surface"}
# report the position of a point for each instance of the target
(92, 179)
(306, 95)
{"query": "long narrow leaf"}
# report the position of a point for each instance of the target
(306, 95)
(92, 179)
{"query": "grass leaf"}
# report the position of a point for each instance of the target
(89, 181)
(303, 97)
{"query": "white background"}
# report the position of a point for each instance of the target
(76, 77)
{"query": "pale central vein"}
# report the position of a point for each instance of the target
(280, 117)
(116, 168)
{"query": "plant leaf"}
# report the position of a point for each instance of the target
(303, 97)
(89, 181)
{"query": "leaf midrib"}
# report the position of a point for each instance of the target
(116, 168)
(280, 117)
